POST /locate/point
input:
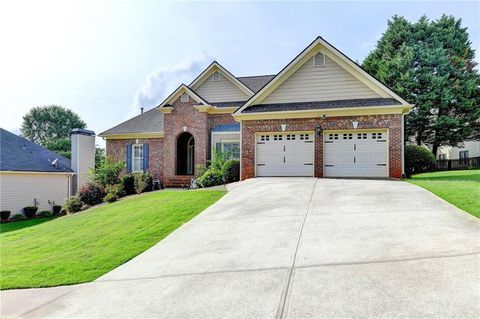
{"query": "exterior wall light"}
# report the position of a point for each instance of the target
(319, 130)
(355, 124)
(284, 127)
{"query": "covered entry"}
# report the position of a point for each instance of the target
(185, 154)
(285, 154)
(356, 154)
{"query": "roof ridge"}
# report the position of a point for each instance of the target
(255, 76)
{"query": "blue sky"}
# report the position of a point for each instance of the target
(106, 59)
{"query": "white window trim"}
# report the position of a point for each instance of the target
(324, 59)
(182, 99)
(222, 142)
(133, 158)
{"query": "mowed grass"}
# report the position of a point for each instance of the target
(5, 228)
(82, 247)
(460, 188)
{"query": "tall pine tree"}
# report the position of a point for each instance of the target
(430, 64)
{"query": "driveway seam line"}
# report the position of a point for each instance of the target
(49, 302)
(389, 260)
(191, 274)
(281, 310)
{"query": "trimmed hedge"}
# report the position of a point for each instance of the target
(91, 194)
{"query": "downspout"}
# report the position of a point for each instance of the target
(403, 145)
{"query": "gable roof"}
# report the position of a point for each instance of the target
(20, 154)
(202, 77)
(335, 55)
(150, 121)
(183, 88)
(256, 82)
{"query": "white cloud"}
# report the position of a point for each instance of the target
(162, 81)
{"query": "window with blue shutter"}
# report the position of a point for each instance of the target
(129, 158)
(145, 157)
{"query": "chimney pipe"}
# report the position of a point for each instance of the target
(141, 110)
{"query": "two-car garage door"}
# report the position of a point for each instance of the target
(345, 154)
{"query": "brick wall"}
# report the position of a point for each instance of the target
(117, 150)
(392, 122)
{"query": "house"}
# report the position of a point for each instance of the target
(322, 115)
(463, 156)
(31, 175)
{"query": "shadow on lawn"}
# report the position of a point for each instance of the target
(459, 176)
(12, 226)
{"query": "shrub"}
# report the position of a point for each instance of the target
(17, 217)
(211, 177)
(231, 171)
(44, 213)
(200, 169)
(107, 172)
(5, 214)
(56, 209)
(128, 182)
(30, 211)
(219, 159)
(141, 182)
(417, 159)
(91, 193)
(110, 197)
(73, 204)
(116, 190)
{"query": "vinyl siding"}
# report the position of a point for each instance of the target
(320, 83)
(20, 190)
(220, 91)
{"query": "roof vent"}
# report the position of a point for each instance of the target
(216, 76)
(141, 110)
(24, 147)
(54, 162)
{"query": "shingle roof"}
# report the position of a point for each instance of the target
(20, 154)
(298, 106)
(148, 122)
(256, 82)
(228, 104)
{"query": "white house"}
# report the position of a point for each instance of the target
(32, 175)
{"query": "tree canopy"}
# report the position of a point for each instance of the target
(430, 64)
(46, 124)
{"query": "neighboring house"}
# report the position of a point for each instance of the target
(322, 115)
(470, 149)
(32, 175)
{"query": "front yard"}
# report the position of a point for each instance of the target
(460, 188)
(82, 247)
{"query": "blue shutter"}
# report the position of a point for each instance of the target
(129, 158)
(145, 157)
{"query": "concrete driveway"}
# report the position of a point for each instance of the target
(292, 248)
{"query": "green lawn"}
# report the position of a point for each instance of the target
(460, 188)
(82, 247)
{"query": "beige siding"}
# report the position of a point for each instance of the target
(18, 190)
(220, 91)
(320, 83)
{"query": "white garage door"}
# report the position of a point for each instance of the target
(284, 154)
(356, 154)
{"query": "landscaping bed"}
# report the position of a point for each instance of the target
(460, 188)
(82, 247)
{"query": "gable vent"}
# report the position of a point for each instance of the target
(319, 59)
(184, 97)
(216, 76)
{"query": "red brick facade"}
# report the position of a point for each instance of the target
(162, 152)
(185, 118)
(391, 122)
(117, 150)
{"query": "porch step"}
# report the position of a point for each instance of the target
(178, 181)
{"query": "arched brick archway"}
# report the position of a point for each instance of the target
(185, 154)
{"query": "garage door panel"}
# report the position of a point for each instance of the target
(284, 154)
(356, 154)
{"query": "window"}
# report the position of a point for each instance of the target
(463, 156)
(290, 137)
(319, 59)
(333, 136)
(377, 136)
(184, 97)
(230, 148)
(137, 158)
(216, 76)
(347, 136)
(361, 136)
(265, 138)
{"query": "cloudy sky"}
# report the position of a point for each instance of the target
(106, 59)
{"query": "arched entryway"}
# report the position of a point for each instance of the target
(185, 154)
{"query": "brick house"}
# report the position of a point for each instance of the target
(322, 115)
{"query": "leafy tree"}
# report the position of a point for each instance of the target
(47, 123)
(430, 64)
(99, 156)
(61, 146)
